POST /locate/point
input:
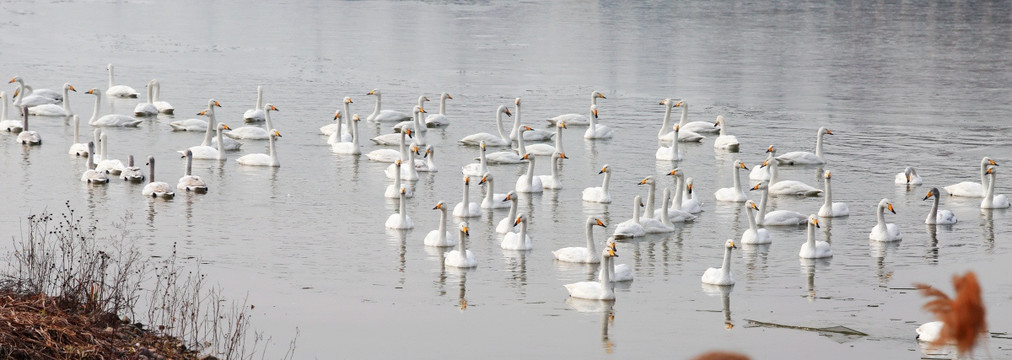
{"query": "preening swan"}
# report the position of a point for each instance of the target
(787, 187)
(189, 182)
(936, 215)
(599, 194)
(531, 134)
(885, 231)
(466, 208)
(439, 120)
(111, 119)
(350, 148)
(991, 201)
(53, 109)
(154, 188)
(251, 132)
(163, 106)
(617, 272)
(830, 208)
(148, 108)
(204, 152)
(577, 119)
(394, 191)
(969, 188)
(735, 192)
(390, 155)
(478, 168)
(491, 200)
(754, 235)
(379, 114)
(683, 136)
(256, 113)
(778, 217)
(725, 141)
(77, 148)
(120, 91)
(761, 173)
(5, 124)
(440, 237)
(528, 183)
(28, 137)
(489, 139)
(333, 127)
(553, 181)
(92, 176)
(813, 249)
(400, 220)
(198, 124)
(132, 173)
(632, 227)
(517, 241)
(669, 153)
(111, 166)
(721, 276)
(506, 225)
(461, 257)
(805, 157)
(263, 159)
(586, 254)
(594, 290)
(595, 130)
(908, 177)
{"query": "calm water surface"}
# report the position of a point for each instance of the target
(908, 84)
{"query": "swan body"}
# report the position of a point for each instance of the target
(588, 254)
(594, 290)
(504, 157)
(813, 249)
(466, 208)
(721, 276)
(684, 136)
(400, 220)
(595, 130)
(599, 194)
(188, 125)
(545, 149)
(632, 227)
(908, 177)
(991, 201)
(407, 170)
(333, 127)
(969, 188)
(670, 153)
(930, 331)
(506, 224)
(552, 181)
(762, 173)
(111, 120)
(805, 157)
(492, 200)
(528, 183)
(663, 223)
(478, 168)
(146, 109)
(938, 216)
(92, 176)
(163, 106)
(885, 231)
(228, 144)
(390, 155)
(517, 241)
(154, 188)
(204, 152)
(249, 132)
(778, 217)
(735, 192)
(440, 237)
(489, 139)
(131, 173)
(49, 96)
(28, 137)
(348, 148)
(531, 134)
(676, 212)
(256, 114)
(415, 123)
(5, 124)
(120, 91)
(787, 187)
(576, 119)
(754, 235)
(61, 110)
(392, 138)
(830, 208)
(76, 148)
(439, 119)
(461, 257)
(381, 115)
(690, 204)
(189, 182)
(616, 272)
(724, 141)
(394, 191)
(270, 159)
(111, 166)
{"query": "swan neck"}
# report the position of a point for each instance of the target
(515, 132)
(811, 235)
(590, 236)
(988, 197)
(648, 211)
(674, 147)
(273, 150)
(761, 216)
(150, 92)
(607, 180)
(558, 139)
(880, 215)
(818, 145)
(721, 121)
(442, 222)
(685, 115)
(725, 269)
(3, 109)
(94, 113)
(667, 122)
(397, 177)
(983, 173)
(555, 168)
(77, 129)
(403, 145)
(156, 93)
(442, 105)
(354, 132)
(737, 180)
(260, 97)
(636, 212)
(210, 127)
(189, 165)
(499, 128)
(110, 76)
(221, 144)
(751, 220)
(530, 172)
(521, 144)
(461, 245)
(467, 193)
(774, 172)
(489, 191)
(378, 107)
(664, 206)
(66, 99)
(932, 215)
(514, 203)
(523, 231)
(270, 124)
(679, 185)
(606, 275)
(402, 207)
(829, 193)
(24, 124)
(151, 170)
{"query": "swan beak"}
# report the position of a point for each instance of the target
(756, 187)
(466, 233)
(743, 166)
(467, 180)
(71, 88)
(276, 133)
(563, 156)
(829, 132)
(754, 206)
(891, 208)
(663, 102)
(438, 206)
(679, 103)
(603, 170)
(716, 124)
(484, 179)
(508, 113)
(765, 163)
(408, 132)
(202, 112)
(426, 98)
(92, 91)
(816, 222)
(216, 103)
(644, 181)
(507, 198)
(13, 79)
(528, 128)
(673, 172)
(562, 124)
(225, 127)
(928, 196)
(595, 113)
(769, 149)
(829, 175)
(599, 223)
(611, 245)
(600, 95)
(517, 220)
(371, 92)
(337, 115)
(908, 178)
(274, 108)
(733, 246)
(348, 100)
(449, 97)
(689, 187)
(611, 252)
(421, 110)
(993, 163)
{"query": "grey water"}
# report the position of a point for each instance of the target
(899, 84)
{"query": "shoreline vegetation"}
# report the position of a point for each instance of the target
(66, 293)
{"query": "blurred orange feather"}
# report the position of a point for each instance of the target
(963, 316)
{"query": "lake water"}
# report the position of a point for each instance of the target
(899, 84)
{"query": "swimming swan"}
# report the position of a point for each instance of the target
(528, 183)
(491, 200)
(148, 108)
(439, 119)
(552, 181)
(754, 235)
(938, 216)
(721, 276)
(594, 290)
(489, 139)
(595, 130)
(400, 220)
(381, 115)
(256, 114)
(478, 168)
(599, 194)
(577, 119)
(461, 257)
(440, 237)
(517, 241)
(991, 201)
(189, 182)
(884, 231)
(132, 173)
(908, 177)
(506, 224)
(250, 132)
(813, 249)
(154, 188)
(632, 227)
(466, 208)
(53, 109)
(735, 192)
(92, 176)
(830, 208)
(586, 254)
(28, 137)
(110, 119)
(197, 124)
(163, 106)
(778, 217)
(76, 148)
(787, 187)
(725, 141)
(969, 188)
(270, 159)
(120, 91)
(805, 157)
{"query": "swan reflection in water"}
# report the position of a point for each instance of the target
(725, 300)
(607, 311)
(809, 267)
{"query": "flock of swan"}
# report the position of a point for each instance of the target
(408, 152)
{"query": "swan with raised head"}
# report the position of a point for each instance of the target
(256, 113)
(400, 220)
(531, 134)
(394, 191)
(205, 152)
(132, 173)
(491, 200)
(163, 106)
(53, 109)
(40, 96)
(632, 227)
(970, 188)
(197, 124)
(754, 235)
(724, 141)
(506, 224)
(229, 144)
(588, 254)
(378, 114)
(440, 237)
(595, 130)
(148, 108)
(908, 177)
(76, 148)
(439, 119)
(663, 223)
(91, 175)
(428, 161)
(813, 249)
(393, 138)
(110, 120)
(28, 137)
(489, 139)
(938, 216)
(690, 204)
(777, 217)
(461, 257)
(333, 127)
(830, 208)
(599, 194)
(669, 153)
(759, 172)
(685, 136)
(676, 211)
(595, 290)
(154, 188)
(252, 132)
(805, 157)
(648, 210)
(787, 187)
(577, 119)
(467, 208)
(189, 182)
(407, 170)
(5, 124)
(528, 183)
(553, 181)
(617, 272)
(721, 276)
(349, 148)
(478, 168)
(517, 240)
(111, 166)
(270, 159)
(735, 192)
(120, 91)
(884, 231)
(991, 201)
(391, 155)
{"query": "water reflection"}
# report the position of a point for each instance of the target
(439, 253)
(988, 227)
(725, 300)
(400, 238)
(809, 267)
(516, 264)
(755, 257)
(879, 250)
(932, 254)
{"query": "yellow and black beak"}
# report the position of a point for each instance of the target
(890, 206)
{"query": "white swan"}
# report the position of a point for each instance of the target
(111, 166)
(379, 114)
(632, 227)
(517, 241)
(96, 137)
(930, 331)
(61, 110)
(586, 254)
(676, 211)
(489, 139)
(478, 168)
(394, 191)
(663, 223)
(969, 188)
(197, 124)
(408, 172)
(991, 201)
(77, 148)
(528, 183)
(350, 148)
(531, 134)
(400, 220)
(154, 188)
(685, 136)
(229, 144)
(92, 176)
(466, 208)
(428, 163)
(648, 209)
(552, 181)
(595, 130)
(754, 235)
(439, 120)
(577, 119)
(205, 152)
(252, 132)
(594, 290)
(599, 194)
(5, 124)
(735, 192)
(28, 137)
(830, 208)
(545, 149)
(510, 156)
(805, 157)
(416, 123)
(49, 96)
(148, 108)
(188, 182)
(120, 91)
(908, 177)
(110, 119)
(392, 138)
(778, 217)
(938, 216)
(884, 231)
(270, 159)
(163, 106)
(721, 276)
(690, 204)
(331, 128)
(669, 153)
(256, 113)
(787, 187)
(813, 249)
(506, 224)
(759, 172)
(132, 173)
(491, 200)
(617, 272)
(725, 141)
(391, 155)
(461, 257)
(440, 237)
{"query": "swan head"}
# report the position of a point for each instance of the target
(597, 95)
(463, 228)
(337, 115)
(69, 87)
(987, 160)
(439, 206)
(517, 101)
(93, 91)
(560, 155)
(270, 107)
(275, 133)
(730, 244)
(467, 180)
(422, 98)
(720, 119)
(414, 149)
(506, 110)
(813, 220)
(373, 92)
(829, 175)
(518, 220)
(429, 150)
(604, 169)
(676, 129)
(15, 79)
(403, 190)
(223, 126)
(397, 162)
(418, 109)
(510, 196)
(409, 133)
(886, 204)
(526, 128)
(447, 95)
(680, 103)
(932, 192)
(188, 154)
(665, 102)
(485, 178)
(609, 252)
(673, 172)
(688, 185)
(638, 201)
(527, 156)
(610, 242)
(212, 103)
(759, 186)
(593, 111)
(562, 124)
(991, 170)
(751, 204)
(647, 180)
(739, 164)
(824, 130)
(482, 145)
(347, 100)
(355, 118)
(771, 150)
(593, 221)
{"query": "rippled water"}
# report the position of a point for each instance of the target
(909, 84)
